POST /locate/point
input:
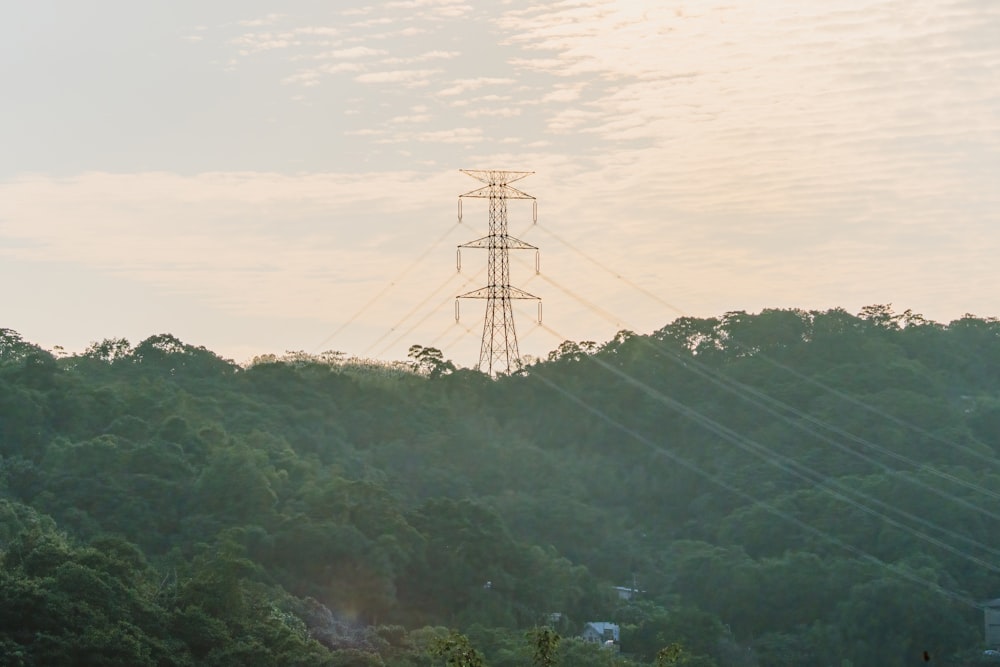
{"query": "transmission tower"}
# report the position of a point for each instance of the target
(498, 351)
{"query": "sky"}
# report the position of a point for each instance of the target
(258, 176)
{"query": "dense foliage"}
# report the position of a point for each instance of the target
(785, 488)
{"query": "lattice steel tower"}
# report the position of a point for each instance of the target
(498, 352)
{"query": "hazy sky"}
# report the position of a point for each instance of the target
(249, 175)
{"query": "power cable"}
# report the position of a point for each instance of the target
(402, 274)
(417, 307)
(992, 460)
(426, 316)
(801, 471)
(759, 399)
(861, 553)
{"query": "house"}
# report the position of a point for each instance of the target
(626, 592)
(991, 611)
(600, 632)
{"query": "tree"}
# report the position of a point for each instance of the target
(457, 651)
(675, 655)
(13, 347)
(671, 655)
(109, 350)
(545, 645)
(430, 361)
(881, 316)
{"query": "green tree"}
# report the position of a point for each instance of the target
(456, 651)
(545, 646)
(430, 361)
(671, 655)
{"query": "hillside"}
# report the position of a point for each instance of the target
(783, 488)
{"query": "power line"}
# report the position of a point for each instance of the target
(601, 265)
(402, 274)
(732, 386)
(975, 453)
(679, 460)
(803, 472)
(427, 315)
(760, 399)
(414, 309)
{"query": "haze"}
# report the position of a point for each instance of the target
(262, 176)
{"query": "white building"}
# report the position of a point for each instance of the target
(600, 632)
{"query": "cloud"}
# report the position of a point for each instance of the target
(422, 4)
(262, 21)
(312, 77)
(727, 152)
(409, 31)
(563, 94)
(249, 242)
(308, 78)
(467, 136)
(380, 21)
(250, 43)
(461, 86)
(406, 77)
(352, 53)
(324, 31)
(748, 108)
(458, 135)
(435, 8)
(416, 118)
(423, 57)
(495, 112)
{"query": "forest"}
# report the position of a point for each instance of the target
(775, 489)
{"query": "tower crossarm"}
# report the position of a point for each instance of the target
(508, 242)
(496, 176)
(498, 292)
(496, 190)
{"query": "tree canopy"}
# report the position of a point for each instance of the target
(782, 488)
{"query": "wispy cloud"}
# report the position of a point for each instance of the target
(373, 22)
(352, 53)
(257, 42)
(409, 120)
(269, 19)
(496, 112)
(563, 94)
(213, 235)
(405, 77)
(727, 153)
(462, 86)
(423, 57)
(322, 31)
(759, 108)
(458, 135)
(439, 8)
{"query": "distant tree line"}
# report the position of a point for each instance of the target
(783, 488)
